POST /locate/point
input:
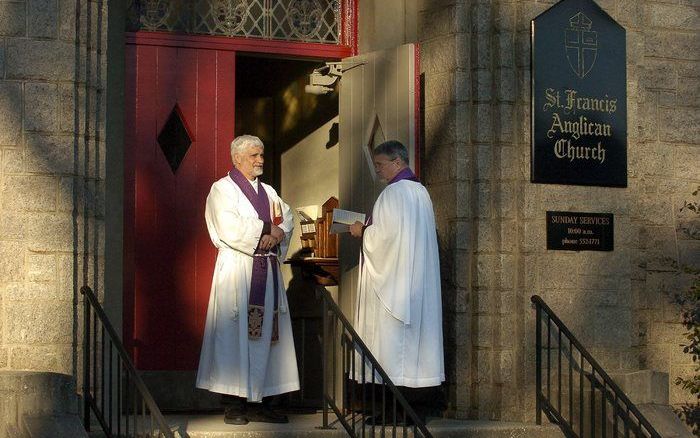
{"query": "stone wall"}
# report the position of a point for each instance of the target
(29, 394)
(664, 86)
(491, 219)
(443, 32)
(52, 167)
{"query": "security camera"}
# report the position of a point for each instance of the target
(322, 79)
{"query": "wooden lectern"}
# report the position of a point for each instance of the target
(319, 255)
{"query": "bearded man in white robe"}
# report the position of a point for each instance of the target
(248, 349)
(399, 305)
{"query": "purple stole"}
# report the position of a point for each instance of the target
(405, 173)
(258, 282)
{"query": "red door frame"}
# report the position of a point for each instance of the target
(238, 44)
(231, 44)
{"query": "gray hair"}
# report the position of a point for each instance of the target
(243, 142)
(393, 149)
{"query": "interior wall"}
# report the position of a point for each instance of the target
(309, 177)
(271, 103)
(299, 130)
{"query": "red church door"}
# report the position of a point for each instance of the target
(180, 101)
(180, 121)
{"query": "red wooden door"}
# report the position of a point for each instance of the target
(169, 258)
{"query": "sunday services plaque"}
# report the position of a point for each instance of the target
(579, 97)
(580, 231)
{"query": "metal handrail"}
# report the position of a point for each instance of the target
(353, 347)
(120, 400)
(623, 408)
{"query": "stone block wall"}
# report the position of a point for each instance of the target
(666, 124)
(448, 161)
(34, 394)
(52, 149)
(491, 219)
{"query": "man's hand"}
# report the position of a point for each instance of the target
(277, 233)
(267, 242)
(357, 229)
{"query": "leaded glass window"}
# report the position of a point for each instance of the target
(288, 20)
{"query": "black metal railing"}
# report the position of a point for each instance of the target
(574, 391)
(112, 390)
(359, 391)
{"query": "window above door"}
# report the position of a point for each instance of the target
(316, 21)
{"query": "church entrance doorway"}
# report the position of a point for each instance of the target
(300, 131)
(187, 96)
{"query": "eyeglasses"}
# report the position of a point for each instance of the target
(381, 164)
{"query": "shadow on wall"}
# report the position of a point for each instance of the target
(434, 172)
(67, 154)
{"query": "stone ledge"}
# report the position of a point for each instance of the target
(54, 426)
(305, 426)
(643, 387)
(30, 393)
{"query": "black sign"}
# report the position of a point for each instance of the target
(580, 231)
(579, 96)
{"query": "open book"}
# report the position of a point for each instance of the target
(342, 219)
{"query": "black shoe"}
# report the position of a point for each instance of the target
(235, 416)
(266, 415)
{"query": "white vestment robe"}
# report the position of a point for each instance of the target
(399, 304)
(230, 362)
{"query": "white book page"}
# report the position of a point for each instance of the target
(342, 219)
(347, 217)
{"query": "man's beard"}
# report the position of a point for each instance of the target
(257, 171)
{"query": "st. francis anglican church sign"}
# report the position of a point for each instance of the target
(579, 99)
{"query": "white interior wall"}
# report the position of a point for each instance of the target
(309, 177)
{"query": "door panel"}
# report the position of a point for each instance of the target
(376, 88)
(168, 256)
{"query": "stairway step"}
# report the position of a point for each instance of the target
(213, 426)
(665, 421)
(492, 429)
(54, 426)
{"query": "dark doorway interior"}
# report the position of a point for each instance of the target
(271, 103)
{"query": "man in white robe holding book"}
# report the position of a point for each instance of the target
(399, 304)
(248, 349)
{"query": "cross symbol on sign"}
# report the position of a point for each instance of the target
(581, 44)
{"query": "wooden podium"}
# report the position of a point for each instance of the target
(319, 255)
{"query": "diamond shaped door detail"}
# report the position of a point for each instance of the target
(181, 107)
(175, 139)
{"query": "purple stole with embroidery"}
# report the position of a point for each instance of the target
(258, 282)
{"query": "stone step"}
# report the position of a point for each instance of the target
(213, 426)
(30, 395)
(54, 426)
(665, 421)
